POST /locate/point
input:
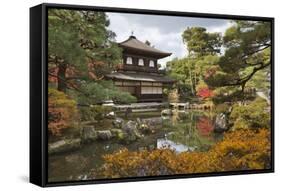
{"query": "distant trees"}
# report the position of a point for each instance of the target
(226, 64)
(203, 49)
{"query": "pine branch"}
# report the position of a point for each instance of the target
(243, 81)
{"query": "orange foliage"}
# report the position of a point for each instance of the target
(203, 90)
(239, 150)
(61, 111)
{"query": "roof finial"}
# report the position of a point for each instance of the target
(132, 35)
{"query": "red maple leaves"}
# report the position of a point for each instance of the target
(205, 92)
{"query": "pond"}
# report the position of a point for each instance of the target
(182, 132)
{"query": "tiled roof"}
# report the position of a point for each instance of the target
(133, 43)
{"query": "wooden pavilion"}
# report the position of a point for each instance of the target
(139, 73)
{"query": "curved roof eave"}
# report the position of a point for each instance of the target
(133, 43)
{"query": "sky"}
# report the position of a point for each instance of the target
(163, 32)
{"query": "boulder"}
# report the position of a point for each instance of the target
(117, 133)
(139, 121)
(64, 145)
(144, 128)
(118, 123)
(131, 131)
(88, 134)
(104, 135)
(153, 121)
(148, 125)
(166, 112)
(130, 127)
(221, 123)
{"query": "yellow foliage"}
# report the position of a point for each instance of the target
(239, 150)
(62, 111)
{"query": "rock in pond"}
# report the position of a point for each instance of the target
(88, 134)
(130, 126)
(64, 145)
(221, 123)
(145, 129)
(148, 125)
(118, 123)
(131, 131)
(153, 121)
(104, 135)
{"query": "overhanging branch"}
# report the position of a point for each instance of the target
(243, 81)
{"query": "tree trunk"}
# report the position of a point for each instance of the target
(61, 77)
(194, 83)
(191, 81)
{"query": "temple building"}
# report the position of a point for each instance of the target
(139, 73)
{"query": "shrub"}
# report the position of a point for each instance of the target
(95, 112)
(62, 111)
(123, 97)
(103, 90)
(239, 150)
(243, 150)
(254, 115)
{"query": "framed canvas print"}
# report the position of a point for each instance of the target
(127, 94)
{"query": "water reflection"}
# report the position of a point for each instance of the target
(205, 126)
(177, 147)
(183, 131)
(192, 129)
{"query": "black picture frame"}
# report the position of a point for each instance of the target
(39, 84)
